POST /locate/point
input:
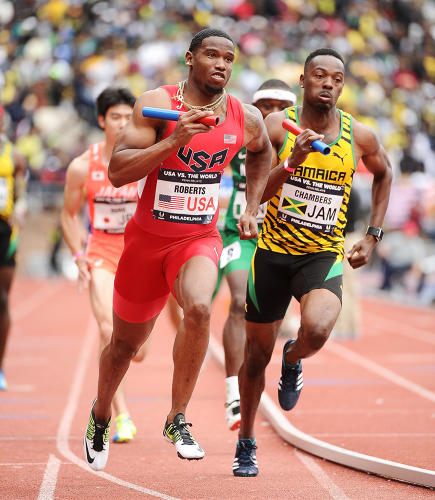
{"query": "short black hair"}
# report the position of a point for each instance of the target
(111, 96)
(206, 33)
(325, 51)
(274, 83)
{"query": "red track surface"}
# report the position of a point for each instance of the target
(374, 395)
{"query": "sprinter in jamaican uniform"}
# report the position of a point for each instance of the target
(13, 207)
(300, 250)
(273, 95)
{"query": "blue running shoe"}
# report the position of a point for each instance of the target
(245, 461)
(291, 381)
(3, 384)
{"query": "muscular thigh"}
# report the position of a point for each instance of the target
(196, 281)
(191, 268)
(319, 310)
(141, 290)
(149, 266)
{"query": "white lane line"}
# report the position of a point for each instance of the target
(349, 458)
(70, 410)
(48, 486)
(366, 363)
(38, 297)
(321, 477)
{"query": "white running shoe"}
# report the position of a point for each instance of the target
(178, 434)
(96, 442)
(233, 414)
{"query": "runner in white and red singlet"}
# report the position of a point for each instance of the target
(109, 210)
(172, 244)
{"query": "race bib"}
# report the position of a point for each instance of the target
(112, 214)
(4, 193)
(314, 205)
(239, 206)
(186, 197)
(229, 253)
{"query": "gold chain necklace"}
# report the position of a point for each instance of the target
(207, 107)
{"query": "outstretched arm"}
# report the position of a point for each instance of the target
(258, 162)
(72, 229)
(139, 149)
(368, 147)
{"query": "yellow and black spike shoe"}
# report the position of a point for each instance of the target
(177, 433)
(96, 442)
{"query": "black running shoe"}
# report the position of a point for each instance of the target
(178, 434)
(290, 383)
(96, 442)
(245, 461)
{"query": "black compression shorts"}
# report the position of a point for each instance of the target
(7, 245)
(275, 278)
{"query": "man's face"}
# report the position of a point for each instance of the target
(267, 106)
(323, 81)
(212, 63)
(115, 119)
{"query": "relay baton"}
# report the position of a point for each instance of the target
(319, 146)
(171, 114)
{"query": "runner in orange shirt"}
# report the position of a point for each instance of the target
(109, 210)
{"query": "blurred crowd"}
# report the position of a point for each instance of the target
(57, 55)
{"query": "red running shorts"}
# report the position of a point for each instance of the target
(149, 266)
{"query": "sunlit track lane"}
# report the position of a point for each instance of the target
(42, 366)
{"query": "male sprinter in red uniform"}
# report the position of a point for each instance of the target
(109, 210)
(172, 244)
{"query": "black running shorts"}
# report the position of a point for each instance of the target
(7, 245)
(275, 278)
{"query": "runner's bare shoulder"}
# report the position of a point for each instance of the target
(254, 125)
(79, 166)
